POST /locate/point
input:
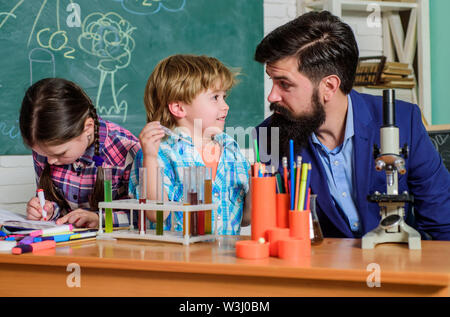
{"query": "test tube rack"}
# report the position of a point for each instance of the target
(168, 235)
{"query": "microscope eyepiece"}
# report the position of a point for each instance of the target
(388, 107)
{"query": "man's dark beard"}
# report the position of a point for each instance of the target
(297, 128)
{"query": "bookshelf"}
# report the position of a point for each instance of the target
(400, 43)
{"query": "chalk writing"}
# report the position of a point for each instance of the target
(148, 7)
(108, 38)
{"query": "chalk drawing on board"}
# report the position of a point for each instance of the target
(148, 7)
(42, 64)
(8, 130)
(108, 38)
(46, 38)
(10, 13)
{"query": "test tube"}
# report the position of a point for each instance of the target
(186, 185)
(193, 200)
(160, 201)
(207, 199)
(142, 223)
(107, 183)
(200, 199)
(317, 235)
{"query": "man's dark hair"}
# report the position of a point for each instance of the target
(323, 44)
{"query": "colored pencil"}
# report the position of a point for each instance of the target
(256, 151)
(291, 165)
(301, 199)
(285, 175)
(297, 182)
(308, 181)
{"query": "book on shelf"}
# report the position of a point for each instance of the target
(391, 77)
(393, 85)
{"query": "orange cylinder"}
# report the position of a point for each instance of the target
(299, 224)
(294, 249)
(274, 235)
(263, 207)
(283, 205)
(252, 250)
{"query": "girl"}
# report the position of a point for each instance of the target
(71, 146)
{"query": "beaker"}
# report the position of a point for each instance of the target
(318, 235)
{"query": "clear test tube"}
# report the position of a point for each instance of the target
(160, 201)
(186, 187)
(193, 200)
(201, 199)
(314, 220)
(207, 199)
(107, 186)
(143, 183)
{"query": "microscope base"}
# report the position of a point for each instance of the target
(406, 234)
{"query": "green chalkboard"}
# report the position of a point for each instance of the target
(109, 48)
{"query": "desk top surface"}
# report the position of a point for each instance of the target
(334, 259)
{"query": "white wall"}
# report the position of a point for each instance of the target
(276, 13)
(17, 182)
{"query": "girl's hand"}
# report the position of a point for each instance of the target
(34, 209)
(150, 138)
(80, 218)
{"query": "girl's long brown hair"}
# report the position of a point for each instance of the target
(53, 112)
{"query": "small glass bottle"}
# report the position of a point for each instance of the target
(317, 231)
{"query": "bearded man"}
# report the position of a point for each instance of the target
(312, 62)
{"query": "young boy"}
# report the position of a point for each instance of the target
(186, 93)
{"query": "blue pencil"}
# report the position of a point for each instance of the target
(291, 172)
(308, 182)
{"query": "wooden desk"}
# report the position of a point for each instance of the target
(337, 267)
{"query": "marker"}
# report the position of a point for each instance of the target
(41, 196)
(33, 247)
(26, 240)
(83, 235)
(62, 228)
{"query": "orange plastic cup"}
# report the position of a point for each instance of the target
(299, 224)
(252, 250)
(263, 207)
(294, 249)
(274, 235)
(283, 205)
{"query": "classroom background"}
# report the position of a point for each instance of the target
(48, 39)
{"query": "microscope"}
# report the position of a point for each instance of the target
(390, 158)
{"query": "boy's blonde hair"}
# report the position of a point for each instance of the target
(182, 78)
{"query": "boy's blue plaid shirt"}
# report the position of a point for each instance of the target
(229, 186)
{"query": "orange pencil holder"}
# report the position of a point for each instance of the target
(294, 249)
(299, 224)
(275, 235)
(283, 205)
(263, 209)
